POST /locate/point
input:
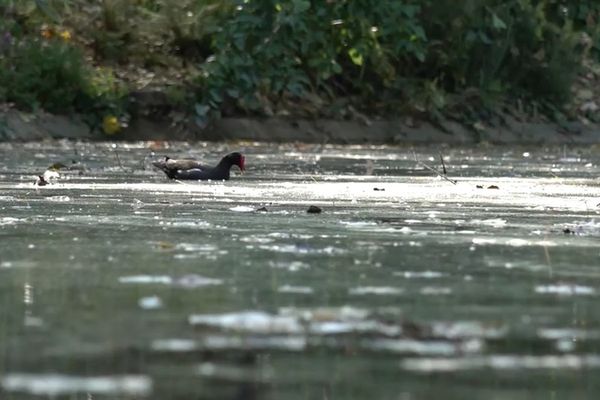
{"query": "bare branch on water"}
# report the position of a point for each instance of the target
(452, 181)
(443, 165)
(118, 159)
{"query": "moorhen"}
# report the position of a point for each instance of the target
(189, 169)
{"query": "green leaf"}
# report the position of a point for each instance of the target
(355, 56)
(45, 8)
(471, 36)
(497, 23)
(301, 5)
(337, 69)
(420, 32)
(201, 110)
(233, 93)
(215, 95)
(295, 88)
(485, 38)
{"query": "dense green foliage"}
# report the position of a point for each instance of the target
(307, 57)
(269, 51)
(49, 75)
(395, 55)
(501, 48)
(585, 17)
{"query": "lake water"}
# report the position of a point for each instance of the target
(118, 283)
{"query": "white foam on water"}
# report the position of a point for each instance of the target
(58, 384)
(419, 274)
(174, 345)
(146, 279)
(502, 362)
(150, 303)
(295, 289)
(242, 209)
(376, 290)
(248, 321)
(565, 290)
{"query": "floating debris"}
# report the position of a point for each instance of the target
(137, 204)
(167, 246)
(489, 187)
(48, 177)
(442, 174)
(41, 181)
(314, 210)
(590, 228)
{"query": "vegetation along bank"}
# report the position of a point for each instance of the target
(340, 71)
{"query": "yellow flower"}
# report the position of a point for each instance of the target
(65, 35)
(110, 125)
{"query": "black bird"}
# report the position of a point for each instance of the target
(188, 169)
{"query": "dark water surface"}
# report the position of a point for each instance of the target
(116, 283)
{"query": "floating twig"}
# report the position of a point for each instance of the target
(452, 181)
(183, 183)
(118, 158)
(443, 165)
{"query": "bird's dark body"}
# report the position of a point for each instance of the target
(188, 169)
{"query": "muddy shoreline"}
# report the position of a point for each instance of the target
(21, 127)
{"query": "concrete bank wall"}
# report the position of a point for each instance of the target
(20, 126)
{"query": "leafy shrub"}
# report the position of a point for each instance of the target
(103, 95)
(35, 74)
(583, 15)
(269, 50)
(303, 57)
(386, 56)
(501, 48)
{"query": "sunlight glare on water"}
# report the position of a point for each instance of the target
(116, 282)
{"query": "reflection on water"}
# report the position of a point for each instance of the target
(55, 384)
(502, 362)
(116, 283)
